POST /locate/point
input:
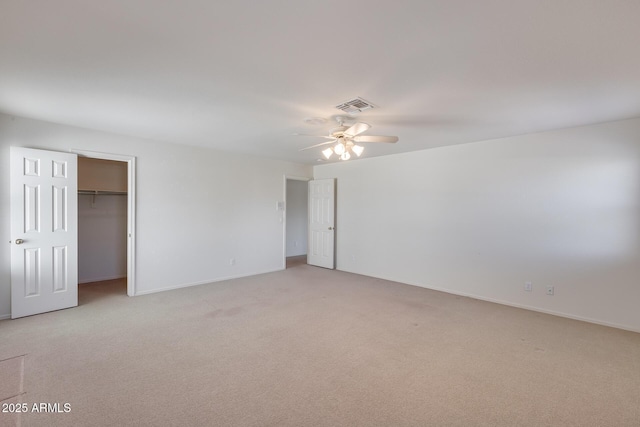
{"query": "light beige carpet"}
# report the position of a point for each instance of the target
(313, 347)
(11, 390)
(295, 261)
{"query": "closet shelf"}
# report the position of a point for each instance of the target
(101, 193)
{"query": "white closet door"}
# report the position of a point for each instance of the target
(44, 231)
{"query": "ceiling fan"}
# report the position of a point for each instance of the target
(346, 139)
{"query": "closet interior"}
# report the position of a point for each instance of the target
(102, 220)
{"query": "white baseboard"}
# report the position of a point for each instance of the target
(204, 282)
(542, 310)
(101, 279)
(511, 304)
(170, 288)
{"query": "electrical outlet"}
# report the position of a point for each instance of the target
(232, 261)
(295, 243)
(528, 286)
(549, 290)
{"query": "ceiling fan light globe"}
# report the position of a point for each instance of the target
(327, 153)
(339, 149)
(358, 149)
(345, 156)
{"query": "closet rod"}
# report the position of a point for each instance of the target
(101, 193)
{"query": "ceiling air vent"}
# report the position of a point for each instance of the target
(355, 105)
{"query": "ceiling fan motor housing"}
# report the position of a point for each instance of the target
(337, 132)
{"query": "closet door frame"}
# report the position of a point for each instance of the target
(131, 209)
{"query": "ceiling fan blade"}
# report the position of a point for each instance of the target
(317, 136)
(356, 129)
(375, 138)
(318, 145)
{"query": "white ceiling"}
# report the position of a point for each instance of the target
(242, 75)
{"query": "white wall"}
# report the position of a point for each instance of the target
(102, 237)
(196, 208)
(558, 208)
(296, 207)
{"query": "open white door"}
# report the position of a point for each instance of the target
(44, 231)
(321, 223)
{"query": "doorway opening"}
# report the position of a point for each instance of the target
(296, 195)
(106, 220)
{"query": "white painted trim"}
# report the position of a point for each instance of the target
(131, 209)
(463, 294)
(297, 178)
(284, 220)
(510, 304)
(539, 310)
(555, 313)
(101, 279)
(204, 282)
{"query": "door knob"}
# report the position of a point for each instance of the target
(330, 228)
(19, 241)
